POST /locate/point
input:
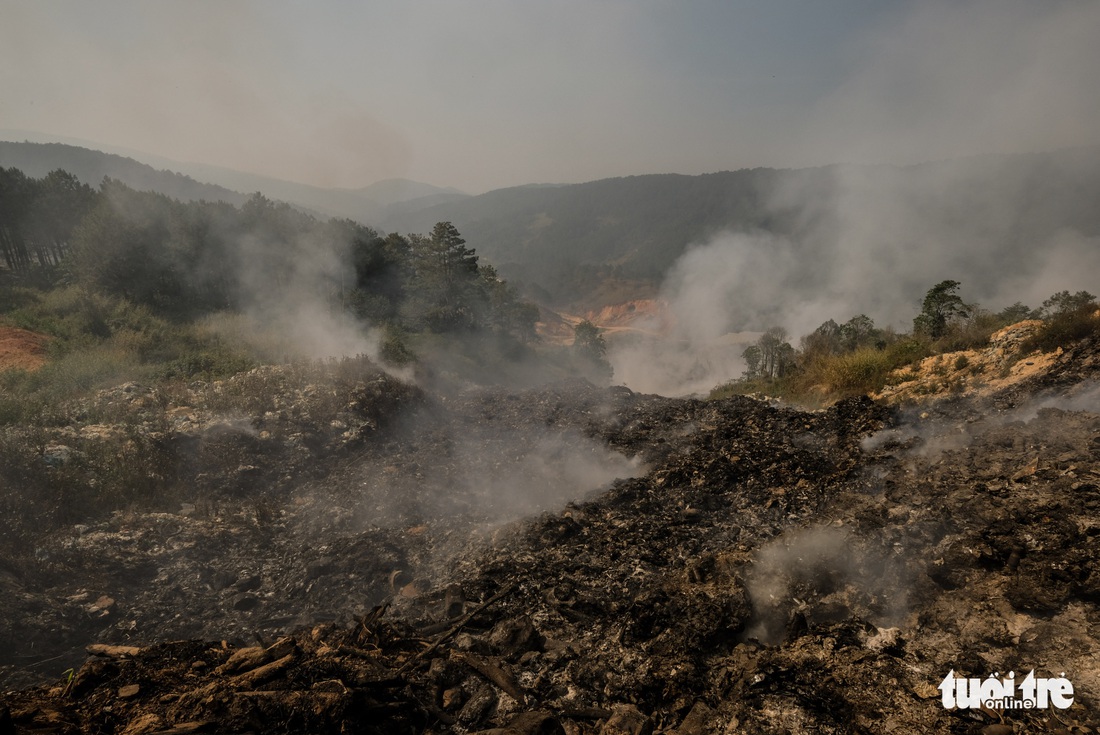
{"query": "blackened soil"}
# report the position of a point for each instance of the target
(753, 569)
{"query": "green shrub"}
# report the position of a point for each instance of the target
(971, 333)
(1063, 329)
(213, 363)
(101, 341)
(393, 350)
(862, 371)
(97, 367)
(907, 352)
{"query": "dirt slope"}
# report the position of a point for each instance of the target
(973, 373)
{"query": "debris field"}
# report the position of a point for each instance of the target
(360, 556)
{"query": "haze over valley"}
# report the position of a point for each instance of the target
(693, 268)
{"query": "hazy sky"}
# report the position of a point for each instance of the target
(481, 94)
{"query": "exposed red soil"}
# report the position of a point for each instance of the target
(651, 315)
(20, 349)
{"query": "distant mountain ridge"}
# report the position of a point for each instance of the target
(89, 166)
(190, 181)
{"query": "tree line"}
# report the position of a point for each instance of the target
(38, 217)
(186, 259)
(945, 323)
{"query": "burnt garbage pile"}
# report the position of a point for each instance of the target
(198, 481)
(753, 569)
(293, 495)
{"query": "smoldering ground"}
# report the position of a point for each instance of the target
(817, 576)
(917, 433)
(469, 476)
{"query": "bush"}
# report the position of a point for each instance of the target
(970, 333)
(101, 341)
(1063, 329)
(862, 371)
(213, 363)
(393, 350)
(907, 352)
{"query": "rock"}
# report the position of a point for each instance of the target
(515, 636)
(102, 606)
(144, 724)
(453, 698)
(626, 719)
(100, 649)
(699, 721)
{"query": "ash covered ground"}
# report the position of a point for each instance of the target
(359, 555)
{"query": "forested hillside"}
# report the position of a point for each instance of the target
(840, 229)
(133, 284)
(961, 214)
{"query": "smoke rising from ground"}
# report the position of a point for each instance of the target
(475, 476)
(708, 292)
(929, 438)
(519, 476)
(1082, 397)
(940, 82)
(823, 575)
(851, 240)
(301, 305)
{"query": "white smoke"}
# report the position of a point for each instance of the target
(822, 573)
(712, 291)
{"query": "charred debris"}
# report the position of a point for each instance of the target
(367, 557)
